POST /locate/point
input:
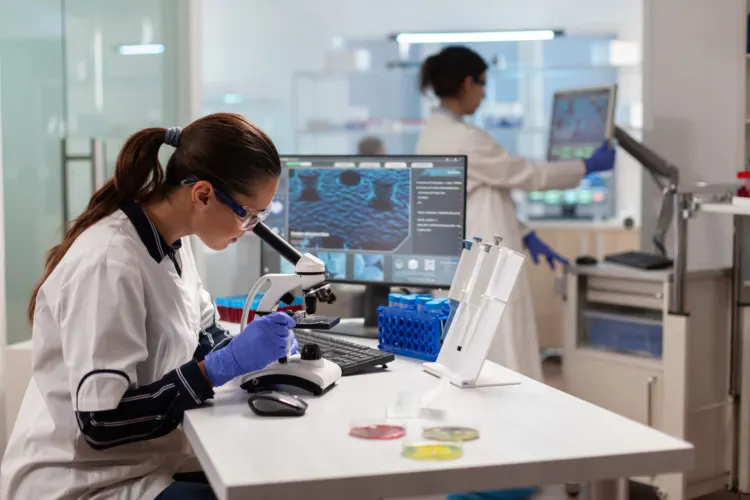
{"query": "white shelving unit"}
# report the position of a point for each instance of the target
(666, 391)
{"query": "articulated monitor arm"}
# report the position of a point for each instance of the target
(664, 174)
(310, 276)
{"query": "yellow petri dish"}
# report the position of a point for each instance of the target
(432, 451)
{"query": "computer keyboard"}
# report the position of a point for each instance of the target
(640, 260)
(351, 357)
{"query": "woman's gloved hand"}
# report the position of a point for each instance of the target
(537, 247)
(602, 159)
(262, 342)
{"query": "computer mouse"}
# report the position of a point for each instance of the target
(586, 260)
(276, 404)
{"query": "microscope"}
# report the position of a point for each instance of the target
(308, 370)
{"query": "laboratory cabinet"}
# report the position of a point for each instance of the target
(569, 239)
(623, 352)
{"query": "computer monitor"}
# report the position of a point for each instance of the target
(581, 119)
(380, 221)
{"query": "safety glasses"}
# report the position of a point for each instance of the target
(247, 217)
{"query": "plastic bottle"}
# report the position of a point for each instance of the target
(421, 302)
(744, 191)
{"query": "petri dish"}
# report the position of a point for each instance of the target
(450, 433)
(432, 450)
(376, 429)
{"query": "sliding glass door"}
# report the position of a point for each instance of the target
(76, 78)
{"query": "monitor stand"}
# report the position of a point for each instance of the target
(375, 296)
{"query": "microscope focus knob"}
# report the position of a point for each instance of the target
(311, 352)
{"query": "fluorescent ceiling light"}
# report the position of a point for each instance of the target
(145, 49)
(477, 36)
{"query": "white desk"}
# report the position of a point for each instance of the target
(531, 434)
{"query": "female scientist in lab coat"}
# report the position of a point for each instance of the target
(125, 338)
(457, 75)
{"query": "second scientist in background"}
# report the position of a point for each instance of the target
(457, 76)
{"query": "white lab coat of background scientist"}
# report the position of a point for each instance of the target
(457, 76)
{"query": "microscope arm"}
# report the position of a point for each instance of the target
(277, 243)
(310, 276)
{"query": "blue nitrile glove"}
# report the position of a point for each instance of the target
(262, 342)
(602, 159)
(538, 247)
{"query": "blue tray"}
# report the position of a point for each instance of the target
(410, 333)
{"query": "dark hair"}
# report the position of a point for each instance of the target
(370, 145)
(446, 71)
(224, 149)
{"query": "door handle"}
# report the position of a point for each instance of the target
(650, 399)
(98, 171)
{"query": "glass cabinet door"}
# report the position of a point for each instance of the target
(76, 78)
(32, 112)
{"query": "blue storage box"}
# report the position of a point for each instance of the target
(624, 333)
(408, 332)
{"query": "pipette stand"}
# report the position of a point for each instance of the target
(490, 375)
(463, 353)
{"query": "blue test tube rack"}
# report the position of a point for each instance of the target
(413, 327)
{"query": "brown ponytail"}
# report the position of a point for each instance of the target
(224, 149)
(138, 175)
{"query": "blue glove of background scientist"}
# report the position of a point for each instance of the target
(601, 160)
(537, 247)
(262, 342)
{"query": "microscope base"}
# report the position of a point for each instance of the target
(491, 375)
(315, 377)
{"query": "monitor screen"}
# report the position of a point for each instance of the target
(395, 220)
(581, 120)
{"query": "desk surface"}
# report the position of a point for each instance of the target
(531, 434)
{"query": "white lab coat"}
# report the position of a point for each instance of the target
(492, 174)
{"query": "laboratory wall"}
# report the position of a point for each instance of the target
(695, 111)
(277, 64)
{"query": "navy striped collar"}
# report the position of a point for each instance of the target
(155, 243)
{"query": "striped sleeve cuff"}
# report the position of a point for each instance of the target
(195, 383)
(146, 412)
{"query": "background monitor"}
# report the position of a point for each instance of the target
(581, 120)
(374, 220)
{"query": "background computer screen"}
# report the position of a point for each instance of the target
(395, 220)
(580, 121)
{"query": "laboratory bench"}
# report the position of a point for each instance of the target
(624, 352)
(530, 434)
